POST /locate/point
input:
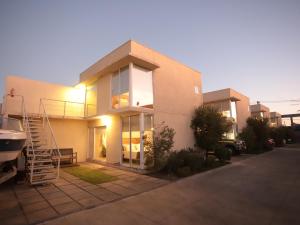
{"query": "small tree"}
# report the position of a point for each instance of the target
(209, 127)
(157, 150)
(256, 134)
(249, 137)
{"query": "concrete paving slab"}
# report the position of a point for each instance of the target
(15, 220)
(106, 195)
(59, 200)
(90, 202)
(35, 206)
(257, 190)
(67, 207)
(41, 215)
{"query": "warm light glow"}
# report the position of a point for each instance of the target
(105, 120)
(76, 94)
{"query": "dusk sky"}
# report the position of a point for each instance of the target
(251, 46)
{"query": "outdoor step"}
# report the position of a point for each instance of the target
(44, 175)
(34, 118)
(39, 161)
(39, 155)
(38, 151)
(46, 172)
(42, 167)
(35, 122)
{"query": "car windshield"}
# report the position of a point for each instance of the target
(7, 123)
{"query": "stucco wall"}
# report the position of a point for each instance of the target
(33, 91)
(242, 103)
(257, 108)
(174, 94)
(71, 134)
(113, 138)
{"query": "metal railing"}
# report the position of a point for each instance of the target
(53, 144)
(62, 108)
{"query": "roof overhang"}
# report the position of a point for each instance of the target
(130, 58)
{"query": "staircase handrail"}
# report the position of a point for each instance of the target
(45, 116)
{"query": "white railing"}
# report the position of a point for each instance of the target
(15, 100)
(63, 109)
(53, 144)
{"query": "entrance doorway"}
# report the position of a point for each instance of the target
(97, 143)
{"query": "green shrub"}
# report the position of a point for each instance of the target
(185, 158)
(157, 151)
(249, 137)
(278, 135)
(256, 135)
(184, 171)
(222, 153)
(210, 161)
(209, 126)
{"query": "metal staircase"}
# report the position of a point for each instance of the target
(42, 152)
(43, 155)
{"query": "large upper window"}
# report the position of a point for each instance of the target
(142, 91)
(233, 110)
(141, 87)
(120, 88)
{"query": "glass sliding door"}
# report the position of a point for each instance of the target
(135, 129)
(135, 140)
(131, 136)
(125, 160)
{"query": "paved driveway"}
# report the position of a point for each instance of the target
(260, 190)
(24, 204)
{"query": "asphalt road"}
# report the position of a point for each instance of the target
(263, 189)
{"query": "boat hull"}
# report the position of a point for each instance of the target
(11, 144)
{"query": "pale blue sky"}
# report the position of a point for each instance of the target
(251, 46)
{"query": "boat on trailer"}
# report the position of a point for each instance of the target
(12, 142)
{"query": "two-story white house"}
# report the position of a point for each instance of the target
(119, 100)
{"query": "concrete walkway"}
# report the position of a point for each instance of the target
(260, 190)
(25, 204)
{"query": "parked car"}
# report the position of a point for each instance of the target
(235, 146)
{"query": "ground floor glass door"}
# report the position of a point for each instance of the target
(97, 143)
(133, 130)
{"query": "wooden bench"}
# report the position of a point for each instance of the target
(68, 156)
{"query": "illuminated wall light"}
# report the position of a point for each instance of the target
(76, 94)
(106, 120)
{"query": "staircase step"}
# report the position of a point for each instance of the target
(46, 172)
(42, 167)
(39, 155)
(39, 161)
(44, 175)
(38, 149)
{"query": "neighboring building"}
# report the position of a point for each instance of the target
(259, 111)
(233, 105)
(275, 119)
(120, 100)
